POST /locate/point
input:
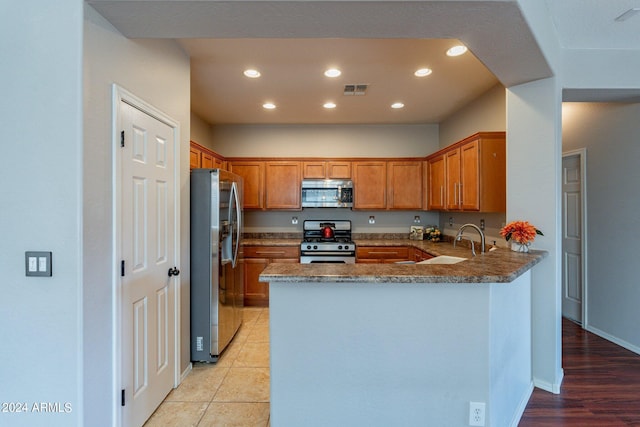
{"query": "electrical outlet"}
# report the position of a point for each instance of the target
(476, 413)
(482, 224)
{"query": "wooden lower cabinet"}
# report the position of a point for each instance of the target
(420, 255)
(382, 254)
(256, 259)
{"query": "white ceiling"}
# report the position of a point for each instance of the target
(379, 43)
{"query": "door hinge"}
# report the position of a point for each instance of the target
(122, 268)
(122, 398)
(122, 139)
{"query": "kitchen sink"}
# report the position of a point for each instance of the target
(443, 259)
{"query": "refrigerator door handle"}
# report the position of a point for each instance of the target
(235, 229)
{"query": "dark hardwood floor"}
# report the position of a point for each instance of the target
(601, 385)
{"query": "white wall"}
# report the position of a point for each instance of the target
(326, 140)
(610, 133)
(533, 190)
(487, 113)
(201, 131)
(41, 210)
(158, 72)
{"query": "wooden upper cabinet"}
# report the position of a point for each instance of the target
(470, 176)
(404, 185)
(206, 160)
(452, 179)
(315, 170)
(202, 157)
(194, 157)
(370, 185)
(474, 174)
(339, 170)
(252, 173)
(283, 181)
(435, 177)
(326, 169)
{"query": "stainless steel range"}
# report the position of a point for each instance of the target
(327, 242)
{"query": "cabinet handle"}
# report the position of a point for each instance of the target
(442, 195)
(455, 193)
(270, 252)
(383, 253)
(460, 196)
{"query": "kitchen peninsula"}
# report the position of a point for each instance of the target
(401, 344)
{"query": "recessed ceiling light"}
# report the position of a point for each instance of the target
(422, 72)
(457, 50)
(329, 105)
(254, 74)
(332, 72)
(269, 106)
(397, 105)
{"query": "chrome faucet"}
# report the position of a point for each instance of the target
(459, 238)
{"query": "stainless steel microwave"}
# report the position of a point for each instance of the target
(327, 193)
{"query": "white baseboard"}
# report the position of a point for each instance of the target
(186, 372)
(522, 406)
(613, 339)
(547, 386)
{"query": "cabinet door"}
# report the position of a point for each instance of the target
(282, 185)
(256, 293)
(253, 174)
(469, 189)
(436, 183)
(404, 185)
(314, 170)
(339, 170)
(194, 157)
(382, 254)
(219, 163)
(370, 182)
(207, 160)
(420, 255)
(452, 166)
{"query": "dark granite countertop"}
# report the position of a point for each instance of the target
(500, 265)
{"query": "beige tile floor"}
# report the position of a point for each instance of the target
(233, 392)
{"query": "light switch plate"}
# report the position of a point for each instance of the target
(37, 263)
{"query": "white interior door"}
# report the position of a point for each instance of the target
(572, 238)
(148, 250)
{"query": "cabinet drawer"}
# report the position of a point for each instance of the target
(272, 252)
(383, 252)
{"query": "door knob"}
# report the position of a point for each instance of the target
(174, 271)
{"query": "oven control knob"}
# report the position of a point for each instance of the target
(346, 247)
(308, 246)
(340, 247)
(315, 246)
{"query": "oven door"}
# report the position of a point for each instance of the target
(327, 258)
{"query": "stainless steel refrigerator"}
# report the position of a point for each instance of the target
(217, 277)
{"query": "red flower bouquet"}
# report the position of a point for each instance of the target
(521, 232)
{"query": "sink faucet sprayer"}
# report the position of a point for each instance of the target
(459, 238)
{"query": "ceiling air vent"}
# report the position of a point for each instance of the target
(357, 90)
